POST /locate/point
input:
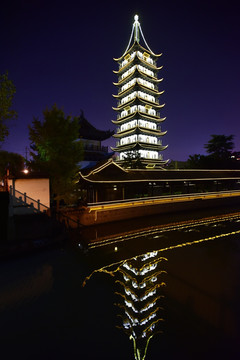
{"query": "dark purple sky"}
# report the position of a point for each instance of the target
(62, 52)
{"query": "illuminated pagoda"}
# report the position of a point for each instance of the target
(139, 299)
(138, 131)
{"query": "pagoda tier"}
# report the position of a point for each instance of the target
(137, 85)
(140, 145)
(140, 116)
(141, 99)
(138, 130)
(138, 108)
(135, 74)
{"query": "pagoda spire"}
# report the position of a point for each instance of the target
(136, 26)
(135, 34)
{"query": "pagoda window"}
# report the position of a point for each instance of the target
(129, 97)
(145, 56)
(148, 154)
(128, 72)
(145, 70)
(152, 112)
(147, 139)
(146, 96)
(128, 125)
(146, 83)
(127, 59)
(133, 109)
(147, 124)
(124, 112)
(128, 84)
(128, 140)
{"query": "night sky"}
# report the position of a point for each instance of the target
(62, 52)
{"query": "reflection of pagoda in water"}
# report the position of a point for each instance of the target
(139, 296)
(138, 122)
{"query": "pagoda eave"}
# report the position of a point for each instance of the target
(127, 117)
(137, 45)
(124, 147)
(149, 116)
(154, 132)
(124, 67)
(142, 145)
(149, 77)
(141, 86)
(149, 65)
(125, 133)
(152, 103)
(156, 147)
(141, 100)
(140, 130)
(141, 73)
(128, 103)
(152, 66)
(153, 118)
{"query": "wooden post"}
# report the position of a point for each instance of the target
(123, 192)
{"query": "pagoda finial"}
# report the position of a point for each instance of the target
(136, 30)
(136, 26)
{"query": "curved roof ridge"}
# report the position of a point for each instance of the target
(137, 30)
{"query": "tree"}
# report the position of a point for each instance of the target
(7, 91)
(132, 160)
(196, 161)
(220, 146)
(14, 162)
(57, 151)
(220, 155)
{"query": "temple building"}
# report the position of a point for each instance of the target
(91, 139)
(138, 124)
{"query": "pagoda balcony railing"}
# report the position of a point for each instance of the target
(158, 128)
(159, 142)
(159, 157)
(157, 114)
(91, 147)
(120, 103)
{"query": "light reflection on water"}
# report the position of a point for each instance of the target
(46, 313)
(203, 299)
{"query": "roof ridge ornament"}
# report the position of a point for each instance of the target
(137, 30)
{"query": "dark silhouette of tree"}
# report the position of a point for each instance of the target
(57, 151)
(133, 160)
(7, 91)
(14, 162)
(221, 156)
(197, 161)
(220, 146)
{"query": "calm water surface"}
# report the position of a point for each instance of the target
(46, 313)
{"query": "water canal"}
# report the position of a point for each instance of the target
(174, 286)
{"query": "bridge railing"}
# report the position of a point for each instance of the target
(21, 199)
(162, 197)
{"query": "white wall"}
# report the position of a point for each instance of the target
(37, 189)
